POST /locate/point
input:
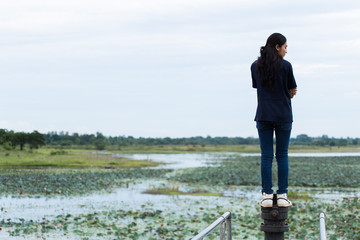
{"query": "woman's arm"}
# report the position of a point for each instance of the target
(293, 92)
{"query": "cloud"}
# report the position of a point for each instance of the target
(112, 65)
(53, 16)
(21, 125)
(309, 69)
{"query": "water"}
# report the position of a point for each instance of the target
(37, 208)
(180, 160)
(133, 198)
(193, 160)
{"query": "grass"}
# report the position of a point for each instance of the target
(299, 195)
(225, 148)
(176, 191)
(71, 158)
(323, 149)
(187, 148)
(80, 158)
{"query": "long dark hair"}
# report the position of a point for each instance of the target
(268, 63)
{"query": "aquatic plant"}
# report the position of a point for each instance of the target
(304, 171)
(18, 182)
(152, 223)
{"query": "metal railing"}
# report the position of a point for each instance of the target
(322, 227)
(224, 219)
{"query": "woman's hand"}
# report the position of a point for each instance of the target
(293, 92)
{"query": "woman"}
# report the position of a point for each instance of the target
(273, 78)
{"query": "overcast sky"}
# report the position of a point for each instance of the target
(173, 68)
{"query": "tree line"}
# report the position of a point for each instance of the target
(324, 140)
(10, 140)
(99, 140)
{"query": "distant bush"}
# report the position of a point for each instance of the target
(8, 146)
(100, 145)
(58, 152)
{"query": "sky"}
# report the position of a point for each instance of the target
(176, 68)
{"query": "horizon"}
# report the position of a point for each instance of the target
(193, 136)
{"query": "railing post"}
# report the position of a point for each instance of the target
(274, 224)
(322, 227)
(228, 228)
(222, 231)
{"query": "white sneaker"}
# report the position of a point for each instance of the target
(267, 200)
(283, 201)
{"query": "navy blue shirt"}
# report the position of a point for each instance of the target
(274, 105)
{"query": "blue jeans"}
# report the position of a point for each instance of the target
(266, 136)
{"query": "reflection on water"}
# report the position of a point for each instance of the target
(176, 161)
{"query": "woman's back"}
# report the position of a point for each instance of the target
(274, 105)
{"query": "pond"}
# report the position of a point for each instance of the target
(193, 160)
(240, 199)
(125, 198)
(180, 160)
(134, 198)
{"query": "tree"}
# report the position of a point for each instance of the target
(303, 138)
(100, 145)
(342, 142)
(36, 139)
(3, 136)
(20, 138)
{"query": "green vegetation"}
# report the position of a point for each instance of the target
(341, 221)
(176, 191)
(64, 139)
(10, 139)
(189, 148)
(225, 148)
(332, 172)
(299, 195)
(67, 159)
(69, 173)
(66, 182)
(150, 222)
(99, 141)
